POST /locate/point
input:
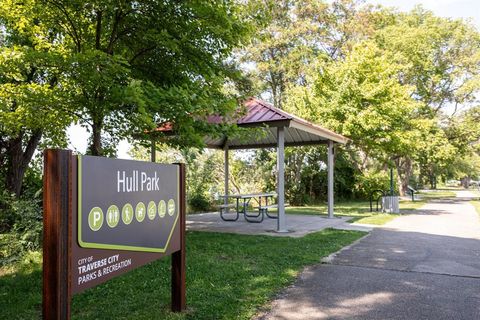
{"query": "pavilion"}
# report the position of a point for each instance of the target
(281, 129)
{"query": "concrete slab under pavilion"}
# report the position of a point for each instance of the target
(300, 225)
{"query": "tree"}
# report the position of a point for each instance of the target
(440, 55)
(362, 98)
(292, 34)
(136, 64)
(33, 105)
(283, 44)
(291, 37)
(118, 68)
(434, 152)
(434, 61)
(464, 131)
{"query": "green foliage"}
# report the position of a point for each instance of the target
(118, 68)
(21, 227)
(388, 89)
(468, 166)
(33, 104)
(291, 35)
(370, 181)
(362, 99)
(204, 179)
(198, 202)
(33, 181)
(345, 176)
(6, 218)
(306, 175)
(133, 65)
(464, 132)
(440, 57)
(377, 219)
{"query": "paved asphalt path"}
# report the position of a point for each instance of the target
(421, 266)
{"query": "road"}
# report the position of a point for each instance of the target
(421, 266)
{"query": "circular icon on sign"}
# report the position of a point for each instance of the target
(113, 216)
(151, 210)
(140, 211)
(127, 213)
(95, 219)
(162, 208)
(171, 207)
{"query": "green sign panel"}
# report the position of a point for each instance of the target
(126, 205)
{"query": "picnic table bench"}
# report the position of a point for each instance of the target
(264, 209)
(242, 203)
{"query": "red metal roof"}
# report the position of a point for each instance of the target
(165, 127)
(258, 113)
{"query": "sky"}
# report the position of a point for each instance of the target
(465, 9)
(78, 138)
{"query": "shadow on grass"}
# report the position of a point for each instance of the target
(228, 277)
(20, 291)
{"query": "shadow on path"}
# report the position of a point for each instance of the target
(415, 251)
(365, 293)
(421, 266)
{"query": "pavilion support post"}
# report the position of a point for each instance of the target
(281, 223)
(153, 151)
(330, 167)
(225, 200)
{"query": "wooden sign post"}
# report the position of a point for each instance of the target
(104, 217)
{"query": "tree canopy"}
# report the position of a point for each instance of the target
(393, 82)
(118, 68)
(403, 86)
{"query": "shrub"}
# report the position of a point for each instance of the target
(6, 215)
(22, 223)
(295, 195)
(198, 202)
(371, 180)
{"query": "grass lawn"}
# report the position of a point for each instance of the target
(376, 218)
(475, 192)
(408, 205)
(425, 197)
(436, 194)
(228, 277)
(360, 210)
(476, 204)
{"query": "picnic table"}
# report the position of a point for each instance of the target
(242, 203)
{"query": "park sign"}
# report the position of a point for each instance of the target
(127, 205)
(104, 217)
(123, 206)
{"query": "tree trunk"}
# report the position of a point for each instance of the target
(96, 146)
(400, 182)
(19, 159)
(298, 163)
(466, 182)
(404, 172)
